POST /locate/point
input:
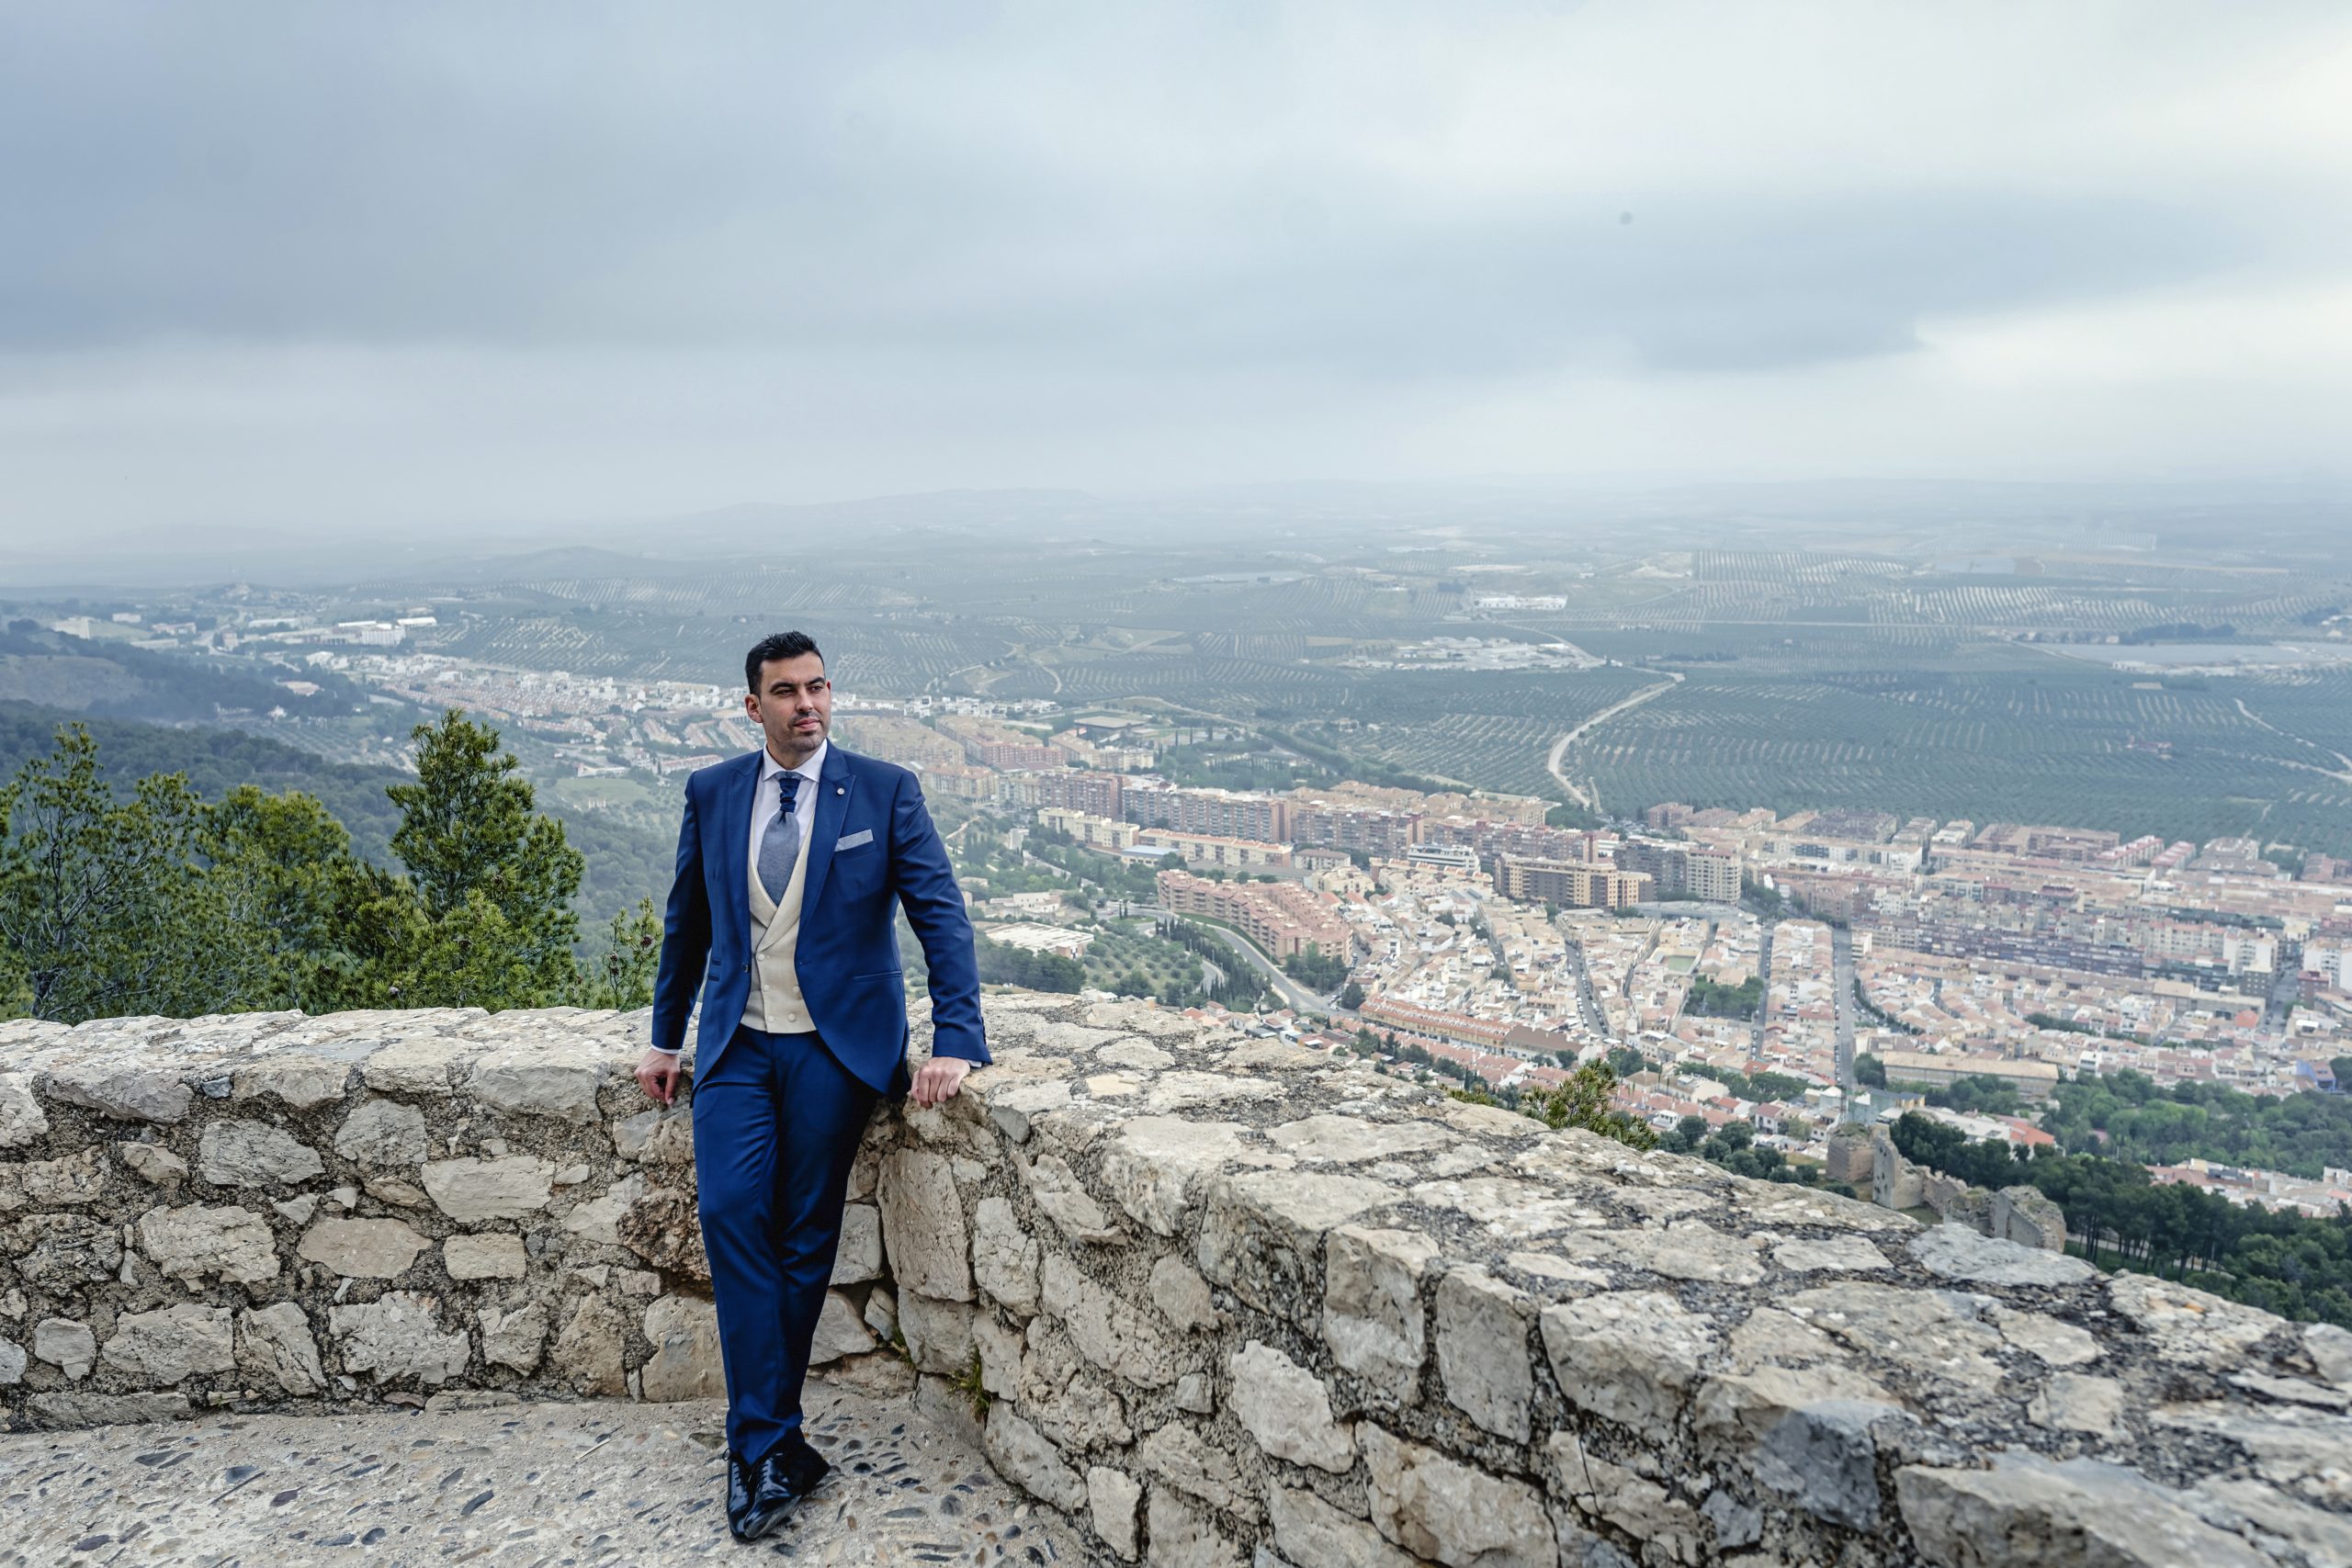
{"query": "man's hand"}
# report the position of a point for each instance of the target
(657, 1074)
(938, 1080)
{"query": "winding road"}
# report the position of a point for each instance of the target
(1591, 802)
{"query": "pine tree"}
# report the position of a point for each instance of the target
(493, 879)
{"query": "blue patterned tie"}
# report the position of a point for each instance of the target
(780, 845)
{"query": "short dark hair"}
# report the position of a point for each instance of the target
(776, 645)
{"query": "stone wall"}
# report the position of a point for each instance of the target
(1217, 1299)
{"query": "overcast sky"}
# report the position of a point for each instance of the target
(371, 264)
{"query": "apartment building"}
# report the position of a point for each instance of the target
(1280, 917)
(1218, 813)
(1695, 869)
(1207, 848)
(1576, 885)
(1096, 793)
(1094, 832)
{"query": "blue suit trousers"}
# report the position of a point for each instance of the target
(777, 1128)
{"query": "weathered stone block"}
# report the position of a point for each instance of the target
(2190, 1327)
(1482, 1354)
(61, 1253)
(22, 1120)
(297, 1082)
(1263, 1231)
(363, 1249)
(1108, 1331)
(1004, 1256)
(1287, 1410)
(1633, 1357)
(660, 1225)
(382, 1132)
(159, 1349)
(492, 1255)
(397, 1337)
(153, 1164)
(274, 1347)
(2057, 1515)
(685, 1363)
(537, 1081)
(127, 1093)
(1058, 1194)
(1179, 1455)
(938, 1333)
(662, 1135)
(507, 1188)
(1838, 1255)
(254, 1154)
(1182, 1536)
(514, 1338)
(75, 1178)
(1438, 1508)
(198, 1241)
(2072, 1403)
(1623, 1497)
(1372, 1306)
(1307, 1530)
(68, 1345)
(1956, 1252)
(1182, 1295)
(1154, 1165)
(859, 1257)
(840, 1332)
(1022, 1453)
(590, 1353)
(922, 1225)
(1112, 1500)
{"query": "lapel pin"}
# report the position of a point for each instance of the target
(841, 789)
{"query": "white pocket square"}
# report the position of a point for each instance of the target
(851, 840)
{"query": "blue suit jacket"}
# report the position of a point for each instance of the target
(871, 849)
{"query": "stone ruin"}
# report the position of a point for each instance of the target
(1217, 1300)
(1867, 1155)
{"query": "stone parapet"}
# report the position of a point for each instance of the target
(1217, 1299)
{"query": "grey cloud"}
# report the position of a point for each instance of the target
(389, 175)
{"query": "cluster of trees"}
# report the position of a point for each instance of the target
(1583, 1100)
(162, 901)
(1201, 766)
(1979, 1093)
(1115, 874)
(1315, 969)
(1626, 1062)
(2284, 1262)
(1733, 1146)
(2130, 1116)
(1243, 989)
(1000, 964)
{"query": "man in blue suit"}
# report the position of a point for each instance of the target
(791, 862)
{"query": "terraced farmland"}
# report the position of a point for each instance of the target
(2054, 747)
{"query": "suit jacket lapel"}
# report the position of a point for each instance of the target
(832, 806)
(734, 846)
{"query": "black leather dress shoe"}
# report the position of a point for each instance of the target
(760, 1496)
(804, 1466)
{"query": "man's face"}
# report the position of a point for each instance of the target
(792, 707)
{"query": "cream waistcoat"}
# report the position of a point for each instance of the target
(775, 1005)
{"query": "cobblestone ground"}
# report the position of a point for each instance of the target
(525, 1484)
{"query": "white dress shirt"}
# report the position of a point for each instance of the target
(804, 804)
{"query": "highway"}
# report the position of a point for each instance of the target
(1295, 997)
